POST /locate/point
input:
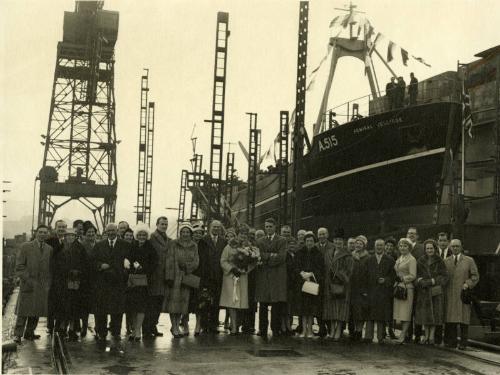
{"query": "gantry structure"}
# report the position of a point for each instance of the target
(79, 161)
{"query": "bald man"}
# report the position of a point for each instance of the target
(109, 279)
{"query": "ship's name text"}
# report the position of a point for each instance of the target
(328, 143)
(378, 125)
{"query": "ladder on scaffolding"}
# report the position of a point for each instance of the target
(182, 199)
(229, 186)
(143, 123)
(217, 120)
(253, 167)
(283, 167)
(149, 163)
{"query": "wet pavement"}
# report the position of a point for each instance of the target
(224, 354)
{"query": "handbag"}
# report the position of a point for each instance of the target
(137, 279)
(400, 292)
(191, 281)
(311, 287)
(337, 291)
(436, 290)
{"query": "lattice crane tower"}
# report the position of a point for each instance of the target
(79, 161)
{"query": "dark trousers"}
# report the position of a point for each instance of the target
(450, 334)
(438, 334)
(101, 324)
(324, 327)
(248, 318)
(210, 317)
(152, 316)
(25, 325)
(277, 312)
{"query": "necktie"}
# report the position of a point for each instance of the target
(456, 259)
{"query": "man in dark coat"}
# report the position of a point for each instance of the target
(55, 292)
(271, 279)
(444, 252)
(417, 251)
(109, 280)
(380, 279)
(400, 92)
(413, 89)
(157, 284)
(323, 245)
(390, 92)
(210, 250)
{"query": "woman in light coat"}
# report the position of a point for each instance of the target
(406, 272)
(234, 292)
(182, 259)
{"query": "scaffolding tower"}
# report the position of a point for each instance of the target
(194, 180)
(229, 186)
(149, 163)
(79, 160)
(300, 108)
(253, 167)
(182, 198)
(143, 130)
(283, 167)
(217, 120)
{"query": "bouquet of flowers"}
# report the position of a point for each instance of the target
(245, 257)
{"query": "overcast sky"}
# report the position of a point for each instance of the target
(175, 40)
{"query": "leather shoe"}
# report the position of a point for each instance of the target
(157, 334)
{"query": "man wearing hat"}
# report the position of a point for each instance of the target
(271, 279)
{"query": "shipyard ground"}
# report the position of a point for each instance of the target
(224, 354)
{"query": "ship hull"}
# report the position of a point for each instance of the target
(373, 175)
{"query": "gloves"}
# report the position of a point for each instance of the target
(126, 263)
(236, 272)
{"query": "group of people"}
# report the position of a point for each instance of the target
(395, 92)
(341, 284)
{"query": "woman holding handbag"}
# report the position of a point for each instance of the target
(181, 260)
(406, 272)
(140, 263)
(432, 277)
(309, 267)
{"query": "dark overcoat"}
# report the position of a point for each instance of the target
(359, 292)
(33, 267)
(210, 270)
(308, 260)
(293, 295)
(109, 285)
(429, 310)
(146, 256)
(157, 283)
(74, 266)
(380, 296)
(182, 259)
(271, 275)
(57, 287)
(338, 270)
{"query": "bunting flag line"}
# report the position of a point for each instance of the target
(466, 111)
(404, 56)
(390, 49)
(335, 21)
(421, 60)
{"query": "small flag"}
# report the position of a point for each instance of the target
(390, 48)
(421, 60)
(404, 56)
(466, 112)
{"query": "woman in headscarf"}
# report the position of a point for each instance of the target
(309, 265)
(75, 273)
(89, 241)
(234, 293)
(432, 277)
(198, 233)
(142, 260)
(359, 295)
(182, 259)
(337, 291)
(406, 272)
